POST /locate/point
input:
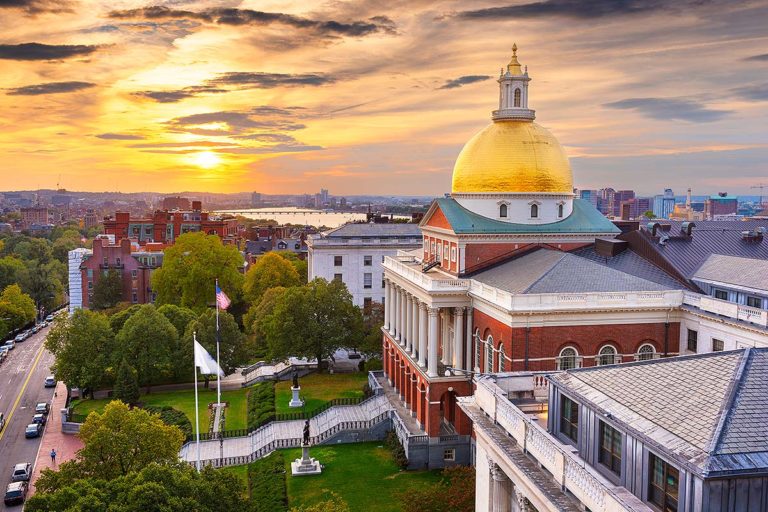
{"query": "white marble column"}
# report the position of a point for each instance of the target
(501, 487)
(470, 341)
(396, 312)
(445, 340)
(415, 327)
(408, 321)
(458, 337)
(387, 303)
(422, 334)
(432, 342)
(403, 319)
(520, 503)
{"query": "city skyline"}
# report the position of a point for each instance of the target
(220, 96)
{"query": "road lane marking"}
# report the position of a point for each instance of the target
(23, 388)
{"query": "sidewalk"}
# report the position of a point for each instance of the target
(66, 445)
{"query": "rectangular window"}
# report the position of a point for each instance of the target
(693, 340)
(367, 280)
(134, 273)
(135, 298)
(569, 418)
(453, 254)
(106, 262)
(337, 277)
(433, 248)
(337, 261)
(721, 294)
(663, 484)
(382, 258)
(367, 302)
(610, 448)
(383, 283)
(367, 261)
(90, 273)
(755, 302)
(449, 454)
(717, 345)
(90, 285)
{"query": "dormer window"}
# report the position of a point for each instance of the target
(534, 211)
(503, 211)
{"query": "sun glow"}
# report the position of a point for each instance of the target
(206, 159)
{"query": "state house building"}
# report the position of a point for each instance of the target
(517, 275)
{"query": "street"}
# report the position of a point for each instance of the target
(21, 387)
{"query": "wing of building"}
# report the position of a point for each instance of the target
(514, 274)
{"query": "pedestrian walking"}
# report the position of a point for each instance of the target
(53, 455)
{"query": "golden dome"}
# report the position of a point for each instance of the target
(512, 156)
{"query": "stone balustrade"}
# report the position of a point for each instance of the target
(727, 309)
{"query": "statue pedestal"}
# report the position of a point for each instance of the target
(295, 400)
(306, 465)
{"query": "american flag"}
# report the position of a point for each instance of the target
(222, 301)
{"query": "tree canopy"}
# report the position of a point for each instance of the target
(190, 268)
(108, 290)
(146, 342)
(455, 492)
(16, 306)
(313, 321)
(269, 271)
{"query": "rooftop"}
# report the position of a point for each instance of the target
(708, 411)
(373, 230)
(734, 271)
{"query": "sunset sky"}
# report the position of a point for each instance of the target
(372, 97)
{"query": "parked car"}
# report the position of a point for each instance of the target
(21, 472)
(3, 354)
(2, 421)
(19, 338)
(33, 430)
(15, 493)
(50, 381)
(39, 418)
(49, 318)
(10, 344)
(41, 408)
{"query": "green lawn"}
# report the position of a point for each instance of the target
(184, 400)
(317, 389)
(363, 474)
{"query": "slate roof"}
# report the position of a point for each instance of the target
(707, 412)
(550, 271)
(584, 219)
(632, 263)
(734, 270)
(373, 230)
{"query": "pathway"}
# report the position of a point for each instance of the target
(66, 445)
(399, 406)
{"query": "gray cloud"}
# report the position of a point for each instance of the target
(191, 144)
(49, 88)
(259, 80)
(760, 58)
(233, 16)
(757, 92)
(670, 108)
(578, 8)
(297, 147)
(38, 51)
(37, 6)
(266, 137)
(237, 122)
(119, 136)
(463, 80)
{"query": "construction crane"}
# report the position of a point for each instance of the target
(761, 186)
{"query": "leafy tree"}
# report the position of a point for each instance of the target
(126, 384)
(146, 341)
(44, 283)
(313, 321)
(181, 353)
(301, 266)
(178, 316)
(455, 492)
(108, 290)
(232, 350)
(12, 271)
(156, 487)
(190, 268)
(334, 504)
(373, 320)
(82, 345)
(255, 318)
(38, 249)
(649, 214)
(117, 321)
(63, 242)
(269, 271)
(121, 440)
(16, 306)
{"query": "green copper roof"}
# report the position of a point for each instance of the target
(584, 219)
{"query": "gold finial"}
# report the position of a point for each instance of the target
(514, 49)
(513, 68)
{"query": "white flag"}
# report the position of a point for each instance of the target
(205, 362)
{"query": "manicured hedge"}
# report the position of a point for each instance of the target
(266, 479)
(392, 442)
(261, 404)
(171, 416)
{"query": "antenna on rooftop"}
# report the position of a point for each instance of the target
(761, 186)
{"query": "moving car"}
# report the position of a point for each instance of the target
(10, 344)
(41, 408)
(39, 418)
(21, 472)
(33, 430)
(15, 493)
(50, 381)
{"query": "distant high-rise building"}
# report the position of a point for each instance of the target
(664, 204)
(90, 219)
(619, 197)
(256, 200)
(176, 203)
(35, 215)
(590, 195)
(720, 204)
(605, 202)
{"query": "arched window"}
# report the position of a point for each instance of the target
(645, 352)
(476, 340)
(489, 354)
(568, 359)
(534, 211)
(560, 210)
(517, 97)
(503, 210)
(607, 355)
(502, 359)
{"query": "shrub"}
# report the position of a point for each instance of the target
(392, 442)
(171, 416)
(266, 479)
(261, 404)
(375, 364)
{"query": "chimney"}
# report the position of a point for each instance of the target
(197, 206)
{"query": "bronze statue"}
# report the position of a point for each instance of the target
(306, 432)
(295, 378)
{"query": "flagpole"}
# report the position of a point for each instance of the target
(197, 412)
(218, 361)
